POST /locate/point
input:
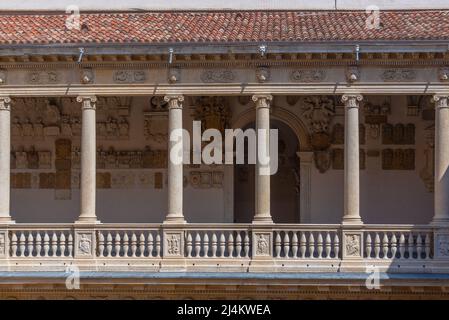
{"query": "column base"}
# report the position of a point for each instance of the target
(6, 220)
(352, 221)
(87, 220)
(175, 220)
(444, 222)
(263, 220)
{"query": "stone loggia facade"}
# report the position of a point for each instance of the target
(85, 178)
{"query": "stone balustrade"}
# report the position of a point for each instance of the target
(224, 247)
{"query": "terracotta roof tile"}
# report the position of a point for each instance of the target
(251, 26)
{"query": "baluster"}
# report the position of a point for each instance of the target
(125, 244)
(394, 247)
(368, 244)
(206, 245)
(410, 243)
(150, 245)
(419, 246)
(385, 246)
(311, 245)
(62, 245)
(38, 244)
(427, 245)
(336, 246)
(377, 246)
(246, 245)
(14, 244)
(402, 246)
(109, 244)
(231, 245)
(320, 245)
(214, 244)
(46, 244)
(30, 243)
(302, 245)
(22, 244)
(238, 245)
(197, 245)
(295, 245)
(158, 245)
(286, 245)
(100, 244)
(54, 244)
(328, 245)
(142, 245)
(222, 245)
(70, 245)
(117, 244)
(189, 245)
(133, 245)
(277, 245)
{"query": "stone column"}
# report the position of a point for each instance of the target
(441, 207)
(262, 214)
(351, 163)
(175, 166)
(5, 156)
(88, 159)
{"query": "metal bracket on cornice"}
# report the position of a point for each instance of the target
(357, 52)
(170, 55)
(81, 54)
(262, 50)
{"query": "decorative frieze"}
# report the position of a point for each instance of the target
(443, 74)
(352, 74)
(87, 76)
(263, 74)
(338, 159)
(308, 75)
(213, 112)
(31, 159)
(113, 129)
(218, 76)
(398, 75)
(129, 76)
(398, 159)
(43, 77)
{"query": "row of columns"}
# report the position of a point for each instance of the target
(262, 206)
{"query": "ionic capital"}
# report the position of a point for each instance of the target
(351, 100)
(87, 102)
(262, 100)
(174, 101)
(441, 101)
(5, 103)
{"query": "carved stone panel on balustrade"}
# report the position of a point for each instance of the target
(398, 159)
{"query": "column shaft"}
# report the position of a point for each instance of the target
(351, 160)
(441, 214)
(262, 175)
(5, 156)
(175, 166)
(88, 160)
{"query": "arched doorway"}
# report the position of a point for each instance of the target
(285, 193)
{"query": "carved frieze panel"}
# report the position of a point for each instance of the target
(263, 74)
(87, 76)
(129, 76)
(376, 114)
(84, 244)
(398, 134)
(218, 76)
(173, 244)
(134, 159)
(263, 244)
(43, 77)
(443, 74)
(21, 180)
(398, 159)
(47, 180)
(308, 75)
(442, 245)
(352, 245)
(398, 74)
